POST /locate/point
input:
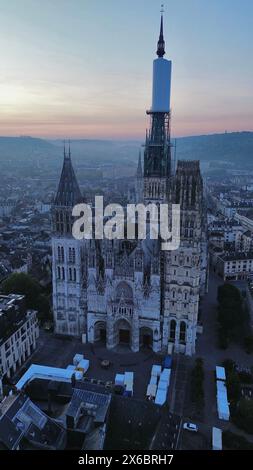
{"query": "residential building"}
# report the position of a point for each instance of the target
(19, 332)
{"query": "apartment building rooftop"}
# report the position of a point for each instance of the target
(239, 255)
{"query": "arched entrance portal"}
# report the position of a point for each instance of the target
(146, 337)
(100, 331)
(123, 332)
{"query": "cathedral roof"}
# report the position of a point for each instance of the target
(68, 193)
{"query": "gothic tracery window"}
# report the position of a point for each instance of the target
(173, 325)
(182, 335)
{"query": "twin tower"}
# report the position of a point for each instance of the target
(130, 292)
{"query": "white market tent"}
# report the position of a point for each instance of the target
(161, 396)
(222, 401)
(216, 439)
(45, 372)
(156, 370)
(220, 373)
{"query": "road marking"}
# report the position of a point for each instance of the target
(179, 432)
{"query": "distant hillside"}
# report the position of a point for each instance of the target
(21, 146)
(101, 152)
(31, 156)
(235, 147)
(23, 153)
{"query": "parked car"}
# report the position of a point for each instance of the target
(190, 427)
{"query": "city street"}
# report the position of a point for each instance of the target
(208, 349)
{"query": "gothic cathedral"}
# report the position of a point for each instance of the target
(130, 291)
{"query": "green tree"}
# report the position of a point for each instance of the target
(21, 283)
(197, 379)
(245, 377)
(229, 365)
(235, 441)
(233, 387)
(228, 292)
(243, 417)
(248, 343)
(232, 314)
(223, 338)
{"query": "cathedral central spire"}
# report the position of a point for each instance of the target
(157, 153)
(161, 43)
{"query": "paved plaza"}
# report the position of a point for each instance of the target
(57, 352)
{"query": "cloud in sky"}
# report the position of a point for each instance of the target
(83, 69)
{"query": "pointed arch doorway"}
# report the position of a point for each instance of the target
(146, 337)
(123, 332)
(100, 331)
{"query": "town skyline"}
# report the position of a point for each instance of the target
(93, 79)
(126, 269)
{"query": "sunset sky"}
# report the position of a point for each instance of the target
(83, 68)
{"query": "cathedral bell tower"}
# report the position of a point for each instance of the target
(68, 194)
(157, 153)
(68, 257)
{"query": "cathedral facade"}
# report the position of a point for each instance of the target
(131, 291)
